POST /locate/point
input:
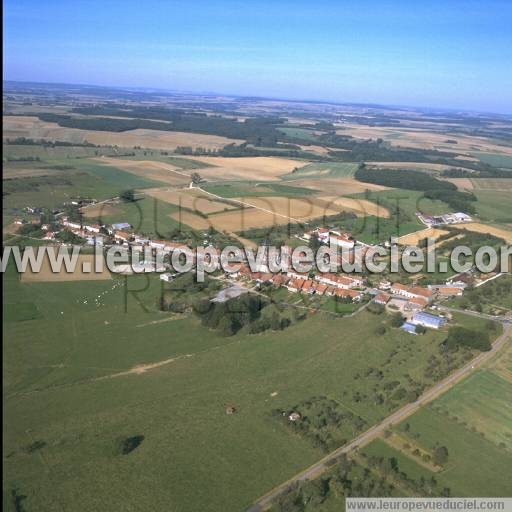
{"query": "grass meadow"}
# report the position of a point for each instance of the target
(68, 407)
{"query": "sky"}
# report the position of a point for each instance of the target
(439, 54)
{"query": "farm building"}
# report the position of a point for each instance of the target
(120, 226)
(409, 327)
(428, 320)
(412, 292)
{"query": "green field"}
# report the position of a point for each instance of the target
(482, 402)
(87, 179)
(323, 170)
(495, 159)
(299, 133)
(193, 456)
(256, 189)
(148, 216)
(494, 205)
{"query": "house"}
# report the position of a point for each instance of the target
(122, 237)
(341, 240)
(353, 294)
(294, 416)
(382, 298)
(449, 291)
(338, 281)
(279, 280)
(321, 289)
(295, 285)
(416, 303)
(141, 240)
(384, 285)
(167, 277)
(308, 286)
(428, 320)
(71, 224)
(408, 327)
(412, 292)
(49, 235)
(297, 275)
(19, 222)
(321, 233)
(265, 277)
(92, 228)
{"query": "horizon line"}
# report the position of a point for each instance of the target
(148, 89)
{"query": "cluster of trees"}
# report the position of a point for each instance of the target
(498, 291)
(416, 180)
(323, 422)
(402, 178)
(369, 476)
(255, 312)
(231, 316)
(462, 336)
(24, 141)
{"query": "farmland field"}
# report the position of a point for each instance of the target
(46, 274)
(32, 127)
(494, 205)
(148, 169)
(485, 228)
(482, 403)
(264, 168)
(190, 199)
(55, 398)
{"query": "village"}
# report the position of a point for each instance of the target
(416, 304)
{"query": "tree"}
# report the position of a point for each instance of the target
(440, 455)
(196, 178)
(397, 320)
(380, 330)
(127, 195)
(420, 329)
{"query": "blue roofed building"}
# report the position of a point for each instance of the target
(120, 226)
(428, 320)
(408, 327)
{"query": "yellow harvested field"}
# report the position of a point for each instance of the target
(239, 220)
(153, 170)
(414, 238)
(46, 275)
(485, 228)
(191, 219)
(10, 173)
(491, 184)
(295, 208)
(422, 138)
(410, 165)
(338, 186)
(267, 168)
(32, 127)
(270, 211)
(99, 210)
(361, 207)
(191, 199)
(461, 183)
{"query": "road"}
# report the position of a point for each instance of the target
(318, 468)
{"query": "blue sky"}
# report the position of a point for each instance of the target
(453, 54)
